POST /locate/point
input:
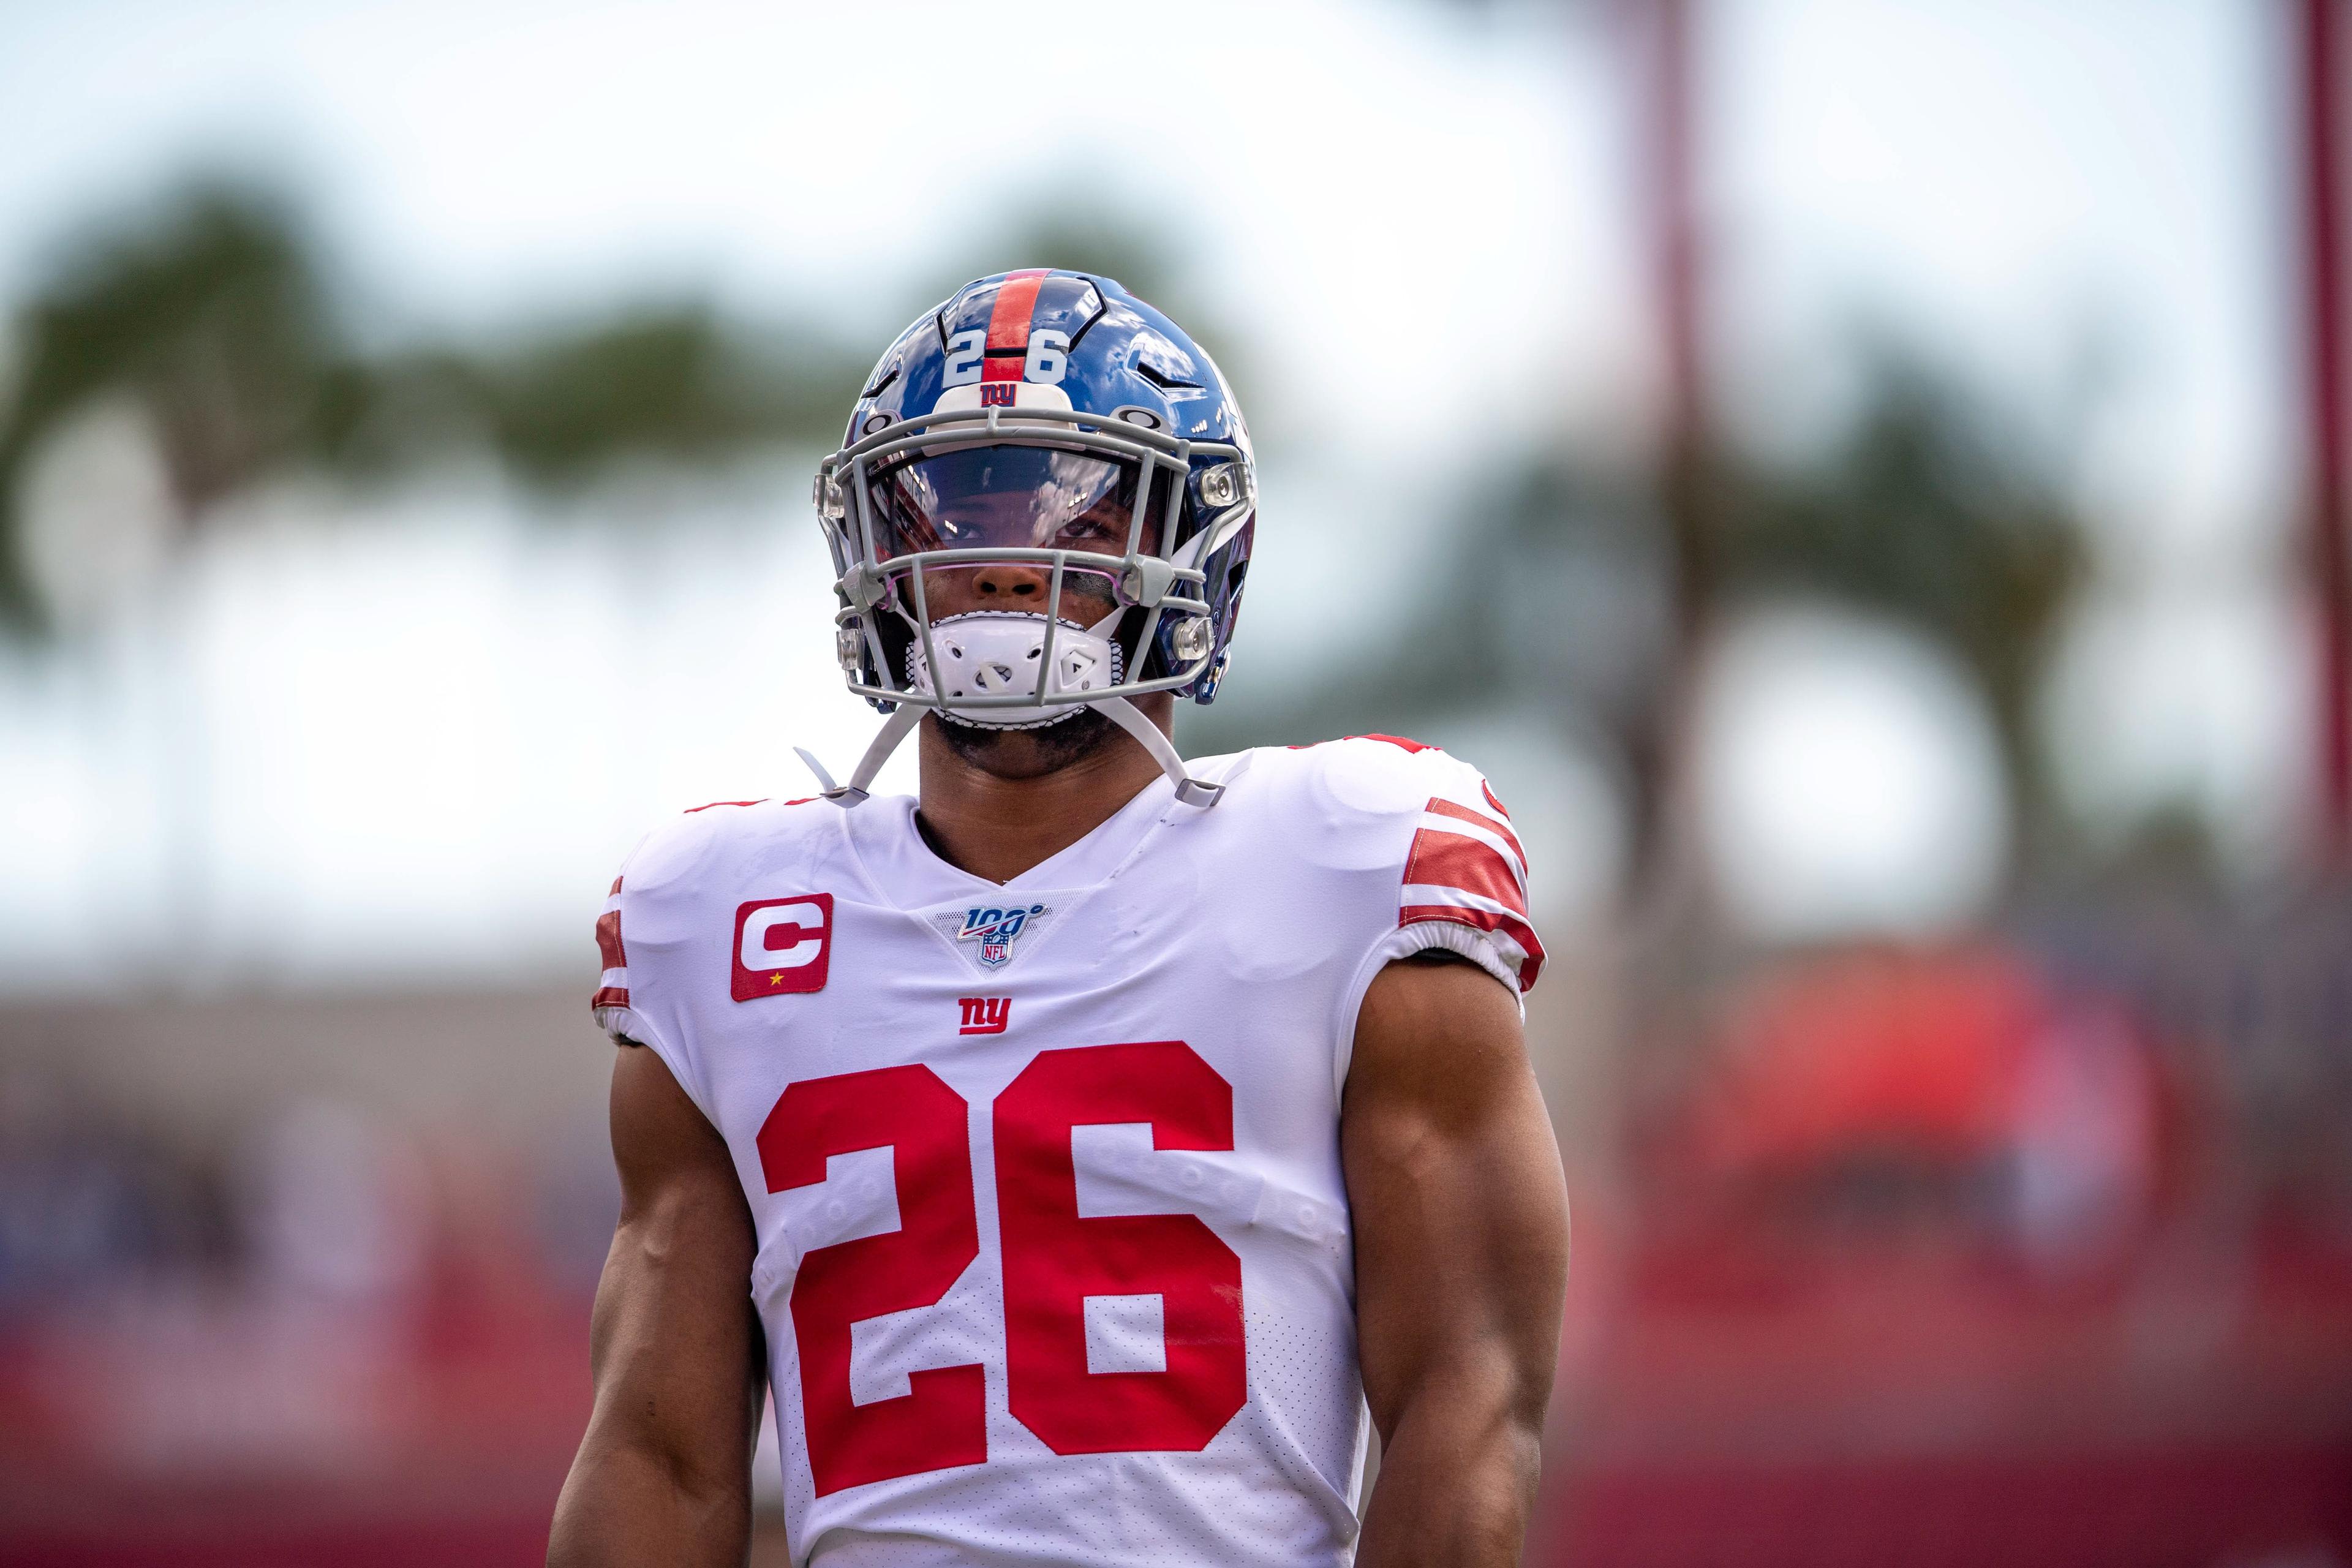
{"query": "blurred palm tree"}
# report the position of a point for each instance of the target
(1937, 512)
(209, 316)
(210, 311)
(671, 382)
(1928, 508)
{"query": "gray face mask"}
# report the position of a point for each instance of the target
(1040, 488)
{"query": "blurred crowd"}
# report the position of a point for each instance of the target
(316, 1200)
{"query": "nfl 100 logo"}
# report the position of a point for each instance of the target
(995, 930)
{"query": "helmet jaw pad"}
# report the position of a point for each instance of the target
(1013, 653)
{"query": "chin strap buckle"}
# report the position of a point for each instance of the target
(855, 793)
(843, 795)
(1197, 792)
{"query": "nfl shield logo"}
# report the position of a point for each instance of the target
(992, 929)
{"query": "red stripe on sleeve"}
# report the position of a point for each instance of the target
(1463, 813)
(1466, 865)
(608, 940)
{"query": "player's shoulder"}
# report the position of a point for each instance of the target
(690, 848)
(1360, 802)
(1421, 846)
(1367, 776)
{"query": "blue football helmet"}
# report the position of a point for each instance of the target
(1053, 422)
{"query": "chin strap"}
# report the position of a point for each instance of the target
(1117, 710)
(1190, 790)
(854, 793)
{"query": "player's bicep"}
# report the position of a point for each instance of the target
(676, 1341)
(664, 1473)
(1460, 1210)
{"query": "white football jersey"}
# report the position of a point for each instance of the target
(1055, 1257)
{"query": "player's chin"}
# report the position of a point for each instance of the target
(1027, 754)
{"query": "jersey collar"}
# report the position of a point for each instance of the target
(906, 872)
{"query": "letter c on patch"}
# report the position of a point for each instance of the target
(760, 950)
(782, 946)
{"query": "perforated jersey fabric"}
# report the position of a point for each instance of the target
(1055, 1257)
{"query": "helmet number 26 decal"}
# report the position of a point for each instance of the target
(1048, 356)
(967, 359)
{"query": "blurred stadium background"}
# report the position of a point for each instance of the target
(1864, 479)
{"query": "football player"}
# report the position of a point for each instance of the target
(1085, 1150)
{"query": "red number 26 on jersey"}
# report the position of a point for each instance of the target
(1054, 1259)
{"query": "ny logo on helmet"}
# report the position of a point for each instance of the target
(995, 929)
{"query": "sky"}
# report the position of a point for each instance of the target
(1430, 199)
(1423, 217)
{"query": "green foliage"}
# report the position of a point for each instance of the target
(210, 316)
(675, 384)
(1928, 509)
(1928, 513)
(211, 310)
(211, 313)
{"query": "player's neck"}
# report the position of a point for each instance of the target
(997, 827)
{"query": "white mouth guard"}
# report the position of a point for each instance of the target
(997, 654)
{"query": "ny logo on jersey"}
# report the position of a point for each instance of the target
(994, 931)
(984, 1014)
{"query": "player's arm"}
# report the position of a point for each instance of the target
(663, 1475)
(1461, 1220)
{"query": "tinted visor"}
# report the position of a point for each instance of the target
(1006, 498)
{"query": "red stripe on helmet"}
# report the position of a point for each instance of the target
(1008, 324)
